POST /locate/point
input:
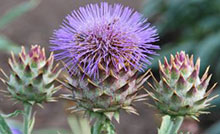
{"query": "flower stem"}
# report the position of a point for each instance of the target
(27, 118)
(170, 125)
(103, 125)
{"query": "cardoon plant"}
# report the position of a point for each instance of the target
(103, 47)
(180, 92)
(31, 81)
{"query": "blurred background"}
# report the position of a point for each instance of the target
(193, 26)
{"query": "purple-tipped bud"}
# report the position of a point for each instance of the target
(37, 54)
(28, 82)
(189, 91)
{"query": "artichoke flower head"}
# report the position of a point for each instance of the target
(32, 76)
(103, 47)
(180, 90)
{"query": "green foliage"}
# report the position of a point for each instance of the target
(4, 128)
(189, 25)
(6, 124)
(14, 114)
(102, 125)
(6, 120)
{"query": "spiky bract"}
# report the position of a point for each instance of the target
(108, 94)
(110, 35)
(180, 91)
(32, 76)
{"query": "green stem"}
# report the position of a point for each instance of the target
(177, 123)
(170, 125)
(102, 125)
(27, 118)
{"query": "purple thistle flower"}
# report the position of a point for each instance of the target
(111, 35)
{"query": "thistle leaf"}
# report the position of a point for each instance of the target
(4, 128)
(14, 114)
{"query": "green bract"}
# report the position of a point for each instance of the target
(107, 94)
(32, 76)
(180, 91)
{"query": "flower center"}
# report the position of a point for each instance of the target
(107, 43)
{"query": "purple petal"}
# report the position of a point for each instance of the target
(111, 35)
